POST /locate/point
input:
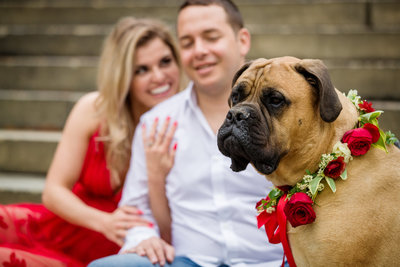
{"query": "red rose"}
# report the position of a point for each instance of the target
(373, 130)
(358, 140)
(298, 209)
(367, 107)
(335, 168)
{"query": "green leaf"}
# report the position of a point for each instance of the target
(381, 143)
(314, 184)
(331, 183)
(294, 190)
(275, 193)
(369, 117)
(344, 174)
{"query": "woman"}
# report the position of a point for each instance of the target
(80, 220)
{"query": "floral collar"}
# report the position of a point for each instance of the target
(355, 142)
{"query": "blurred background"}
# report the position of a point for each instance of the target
(49, 51)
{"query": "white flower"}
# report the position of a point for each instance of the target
(321, 187)
(342, 150)
(354, 98)
(301, 186)
(325, 159)
(307, 178)
(270, 210)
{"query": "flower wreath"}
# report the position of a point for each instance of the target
(297, 205)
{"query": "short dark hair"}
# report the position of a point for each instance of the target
(232, 11)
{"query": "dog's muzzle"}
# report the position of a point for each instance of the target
(242, 137)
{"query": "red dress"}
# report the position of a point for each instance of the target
(31, 235)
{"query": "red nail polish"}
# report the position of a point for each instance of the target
(151, 225)
(175, 146)
(168, 118)
(156, 119)
(175, 123)
(139, 212)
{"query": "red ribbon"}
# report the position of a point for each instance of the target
(275, 227)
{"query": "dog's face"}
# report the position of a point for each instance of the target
(276, 107)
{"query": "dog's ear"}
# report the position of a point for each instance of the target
(240, 71)
(316, 74)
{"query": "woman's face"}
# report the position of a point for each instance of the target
(155, 75)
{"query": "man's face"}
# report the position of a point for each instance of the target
(211, 51)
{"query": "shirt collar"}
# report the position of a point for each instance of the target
(190, 97)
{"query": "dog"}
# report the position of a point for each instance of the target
(285, 113)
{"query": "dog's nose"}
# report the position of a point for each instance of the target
(237, 116)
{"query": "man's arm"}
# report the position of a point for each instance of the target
(135, 193)
(143, 241)
(160, 156)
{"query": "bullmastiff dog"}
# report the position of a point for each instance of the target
(285, 113)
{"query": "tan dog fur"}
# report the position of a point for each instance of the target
(359, 225)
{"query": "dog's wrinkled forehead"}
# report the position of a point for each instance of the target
(262, 74)
(258, 69)
(251, 72)
(286, 76)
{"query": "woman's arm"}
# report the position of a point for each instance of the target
(159, 161)
(64, 172)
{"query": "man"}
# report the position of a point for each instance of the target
(212, 207)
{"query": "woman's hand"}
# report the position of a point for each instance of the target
(160, 155)
(117, 223)
(156, 250)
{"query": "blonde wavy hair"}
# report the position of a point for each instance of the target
(115, 73)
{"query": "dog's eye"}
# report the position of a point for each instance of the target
(272, 99)
(235, 98)
(276, 101)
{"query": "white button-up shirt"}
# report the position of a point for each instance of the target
(212, 207)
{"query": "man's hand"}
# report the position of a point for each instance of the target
(156, 249)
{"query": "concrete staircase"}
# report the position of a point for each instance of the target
(49, 51)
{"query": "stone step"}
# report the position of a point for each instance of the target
(373, 13)
(374, 78)
(20, 187)
(27, 151)
(254, 11)
(335, 45)
(48, 73)
(87, 14)
(321, 42)
(46, 110)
